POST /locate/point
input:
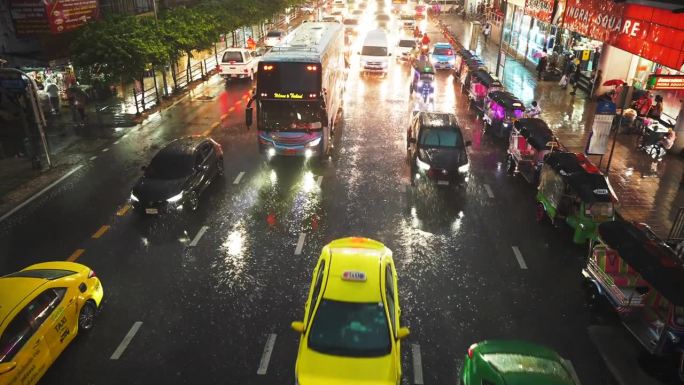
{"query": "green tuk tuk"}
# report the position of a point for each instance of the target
(573, 189)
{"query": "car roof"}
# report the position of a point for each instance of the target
(539, 371)
(358, 255)
(184, 145)
(443, 45)
(438, 119)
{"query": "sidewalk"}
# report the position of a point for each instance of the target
(648, 191)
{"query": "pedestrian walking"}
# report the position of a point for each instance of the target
(251, 44)
(575, 78)
(486, 31)
(541, 66)
(534, 111)
(657, 108)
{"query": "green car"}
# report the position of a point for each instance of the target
(515, 363)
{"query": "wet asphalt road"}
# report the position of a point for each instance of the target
(207, 311)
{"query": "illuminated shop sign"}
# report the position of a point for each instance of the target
(665, 82)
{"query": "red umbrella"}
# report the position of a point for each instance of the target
(614, 82)
(538, 54)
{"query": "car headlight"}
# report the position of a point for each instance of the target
(464, 168)
(383, 64)
(314, 142)
(175, 198)
(422, 165)
(419, 84)
(452, 59)
(134, 198)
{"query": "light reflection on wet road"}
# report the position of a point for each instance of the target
(208, 309)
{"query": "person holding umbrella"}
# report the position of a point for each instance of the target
(541, 66)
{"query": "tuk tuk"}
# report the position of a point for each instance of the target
(481, 83)
(470, 65)
(571, 188)
(530, 141)
(423, 79)
(501, 109)
(461, 56)
(643, 280)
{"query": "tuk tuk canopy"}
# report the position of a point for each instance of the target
(536, 132)
(465, 53)
(647, 254)
(474, 63)
(485, 78)
(591, 187)
(507, 100)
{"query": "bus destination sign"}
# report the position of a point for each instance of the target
(289, 95)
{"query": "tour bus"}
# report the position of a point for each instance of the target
(299, 91)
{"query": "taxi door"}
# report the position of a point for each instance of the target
(26, 347)
(61, 325)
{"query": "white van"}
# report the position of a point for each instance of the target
(375, 52)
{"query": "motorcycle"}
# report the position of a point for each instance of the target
(424, 49)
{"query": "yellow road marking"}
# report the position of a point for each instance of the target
(224, 116)
(231, 109)
(100, 232)
(74, 256)
(123, 210)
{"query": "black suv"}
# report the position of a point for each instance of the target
(435, 148)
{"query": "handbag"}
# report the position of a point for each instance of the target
(563, 81)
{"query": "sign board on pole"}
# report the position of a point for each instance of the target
(665, 82)
(600, 133)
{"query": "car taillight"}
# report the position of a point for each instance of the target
(219, 69)
(245, 70)
(470, 350)
(92, 274)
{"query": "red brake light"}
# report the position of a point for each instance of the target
(268, 67)
(470, 350)
(449, 52)
(92, 274)
(311, 68)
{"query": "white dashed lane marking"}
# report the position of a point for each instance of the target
(239, 178)
(127, 340)
(199, 235)
(300, 243)
(519, 257)
(490, 194)
(417, 364)
(266, 355)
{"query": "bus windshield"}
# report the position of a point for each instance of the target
(285, 115)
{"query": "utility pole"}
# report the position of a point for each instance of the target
(12, 78)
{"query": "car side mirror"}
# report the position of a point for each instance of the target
(468, 143)
(297, 326)
(143, 168)
(6, 367)
(248, 116)
(389, 54)
(412, 140)
(403, 333)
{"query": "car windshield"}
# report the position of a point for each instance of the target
(42, 273)
(517, 363)
(291, 116)
(232, 56)
(443, 51)
(440, 137)
(350, 329)
(407, 43)
(382, 17)
(369, 50)
(274, 34)
(351, 22)
(169, 166)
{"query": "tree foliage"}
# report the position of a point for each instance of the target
(124, 46)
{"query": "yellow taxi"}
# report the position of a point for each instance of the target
(351, 331)
(41, 309)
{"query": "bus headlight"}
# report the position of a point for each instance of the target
(308, 153)
(175, 198)
(271, 152)
(463, 169)
(134, 198)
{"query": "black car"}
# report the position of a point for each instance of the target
(435, 148)
(177, 175)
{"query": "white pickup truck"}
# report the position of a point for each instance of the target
(239, 63)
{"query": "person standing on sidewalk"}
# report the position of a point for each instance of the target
(53, 93)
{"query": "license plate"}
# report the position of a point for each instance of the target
(290, 151)
(233, 76)
(151, 211)
(443, 182)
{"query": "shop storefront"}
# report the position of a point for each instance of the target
(527, 29)
(512, 25)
